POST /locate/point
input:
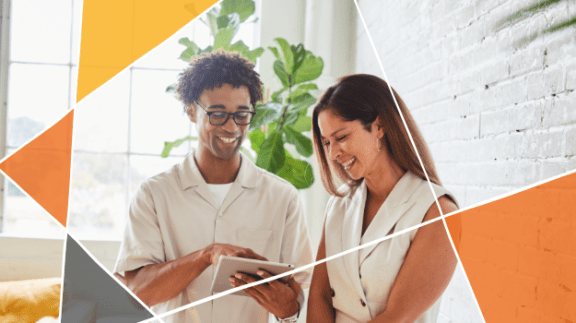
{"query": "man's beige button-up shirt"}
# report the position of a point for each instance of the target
(174, 213)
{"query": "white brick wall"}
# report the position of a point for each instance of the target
(498, 112)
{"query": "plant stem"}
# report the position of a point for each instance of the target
(288, 103)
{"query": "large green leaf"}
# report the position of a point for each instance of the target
(264, 115)
(254, 54)
(301, 89)
(239, 47)
(169, 145)
(309, 70)
(223, 38)
(303, 123)
(228, 21)
(256, 139)
(302, 102)
(302, 143)
(290, 118)
(298, 172)
(232, 19)
(187, 42)
(286, 55)
(274, 51)
(280, 71)
(191, 49)
(299, 53)
(245, 51)
(244, 8)
(212, 22)
(271, 155)
(276, 96)
(187, 54)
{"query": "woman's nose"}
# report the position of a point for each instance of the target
(334, 151)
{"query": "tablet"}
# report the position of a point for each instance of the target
(229, 266)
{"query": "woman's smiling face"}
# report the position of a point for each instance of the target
(349, 144)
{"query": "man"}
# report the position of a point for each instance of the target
(216, 202)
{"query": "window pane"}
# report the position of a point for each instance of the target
(40, 31)
(202, 36)
(165, 56)
(142, 167)
(37, 97)
(98, 197)
(24, 217)
(156, 116)
(246, 34)
(101, 119)
(76, 30)
(73, 84)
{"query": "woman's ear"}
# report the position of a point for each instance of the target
(377, 126)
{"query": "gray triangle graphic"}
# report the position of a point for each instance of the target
(90, 293)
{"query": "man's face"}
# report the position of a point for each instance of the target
(221, 142)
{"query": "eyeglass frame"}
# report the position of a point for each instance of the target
(228, 114)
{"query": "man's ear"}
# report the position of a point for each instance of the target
(191, 112)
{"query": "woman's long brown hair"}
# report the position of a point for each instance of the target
(364, 97)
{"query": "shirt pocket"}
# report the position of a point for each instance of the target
(257, 240)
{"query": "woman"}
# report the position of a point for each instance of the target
(359, 136)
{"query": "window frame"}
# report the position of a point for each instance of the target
(6, 64)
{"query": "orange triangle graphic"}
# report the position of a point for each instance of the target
(519, 253)
(42, 167)
(116, 33)
(454, 224)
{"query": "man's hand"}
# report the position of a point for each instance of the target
(276, 297)
(217, 249)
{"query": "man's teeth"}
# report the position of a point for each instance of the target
(347, 164)
(227, 140)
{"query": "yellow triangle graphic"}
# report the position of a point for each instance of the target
(116, 33)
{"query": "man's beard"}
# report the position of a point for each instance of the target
(228, 152)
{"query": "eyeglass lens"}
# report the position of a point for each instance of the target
(241, 118)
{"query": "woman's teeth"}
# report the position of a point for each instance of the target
(349, 163)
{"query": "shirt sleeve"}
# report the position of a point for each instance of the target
(142, 242)
(296, 248)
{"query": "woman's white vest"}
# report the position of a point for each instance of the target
(361, 281)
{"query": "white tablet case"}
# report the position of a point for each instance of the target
(229, 266)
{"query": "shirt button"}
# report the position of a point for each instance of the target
(362, 302)
(332, 292)
(360, 276)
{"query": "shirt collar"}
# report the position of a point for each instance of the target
(400, 193)
(190, 175)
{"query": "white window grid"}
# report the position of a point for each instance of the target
(6, 148)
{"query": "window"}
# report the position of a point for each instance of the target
(119, 130)
(41, 66)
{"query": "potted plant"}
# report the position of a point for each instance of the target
(277, 132)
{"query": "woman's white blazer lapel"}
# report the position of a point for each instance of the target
(393, 208)
(351, 234)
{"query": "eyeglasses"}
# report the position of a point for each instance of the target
(218, 118)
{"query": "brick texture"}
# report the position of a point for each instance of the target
(498, 113)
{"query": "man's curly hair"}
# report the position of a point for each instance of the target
(212, 70)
